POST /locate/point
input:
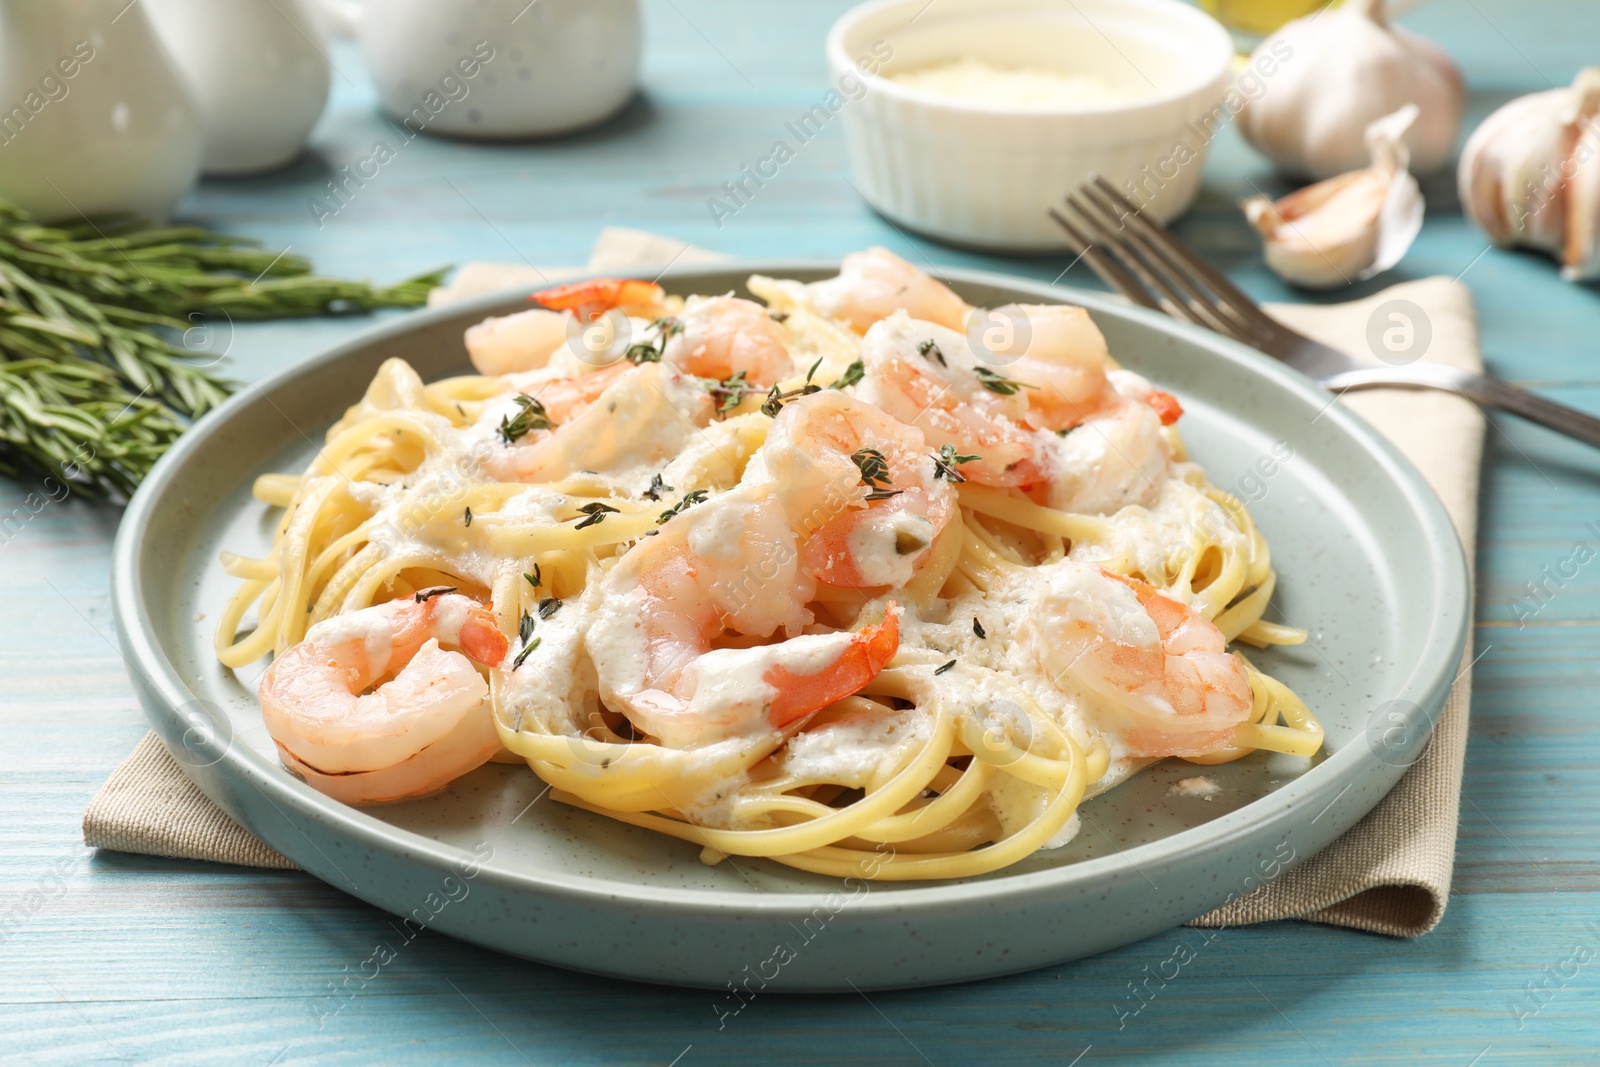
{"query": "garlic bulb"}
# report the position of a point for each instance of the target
(1530, 175)
(1326, 77)
(1350, 227)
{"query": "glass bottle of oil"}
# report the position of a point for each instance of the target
(1251, 20)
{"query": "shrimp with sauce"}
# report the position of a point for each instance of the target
(1115, 457)
(619, 416)
(927, 376)
(729, 566)
(523, 341)
(874, 284)
(720, 336)
(1156, 673)
(426, 720)
(859, 486)
(1065, 362)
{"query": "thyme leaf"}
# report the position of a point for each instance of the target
(425, 595)
(873, 466)
(852, 375)
(690, 499)
(530, 416)
(944, 463)
(998, 383)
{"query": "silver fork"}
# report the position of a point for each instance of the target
(1145, 262)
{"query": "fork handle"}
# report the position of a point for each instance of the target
(1483, 389)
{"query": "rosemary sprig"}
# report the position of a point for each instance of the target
(94, 382)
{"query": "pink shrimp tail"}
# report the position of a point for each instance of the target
(589, 300)
(869, 652)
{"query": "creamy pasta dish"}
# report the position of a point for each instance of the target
(858, 578)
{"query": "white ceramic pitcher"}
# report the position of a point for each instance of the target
(258, 72)
(93, 117)
(497, 68)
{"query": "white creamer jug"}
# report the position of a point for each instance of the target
(94, 119)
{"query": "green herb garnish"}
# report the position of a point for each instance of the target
(977, 627)
(657, 487)
(527, 648)
(428, 594)
(775, 400)
(652, 351)
(690, 499)
(548, 607)
(596, 513)
(929, 349)
(730, 392)
(944, 463)
(531, 415)
(535, 579)
(998, 383)
(468, 517)
(851, 376)
(525, 627)
(873, 466)
(946, 667)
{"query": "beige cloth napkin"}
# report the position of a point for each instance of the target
(1390, 874)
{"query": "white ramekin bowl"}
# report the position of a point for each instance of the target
(983, 176)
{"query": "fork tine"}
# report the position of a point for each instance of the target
(1107, 268)
(1191, 304)
(1111, 237)
(1202, 308)
(1229, 294)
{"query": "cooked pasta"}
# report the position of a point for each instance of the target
(825, 580)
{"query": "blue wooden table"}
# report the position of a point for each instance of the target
(108, 958)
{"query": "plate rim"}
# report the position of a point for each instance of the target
(1427, 685)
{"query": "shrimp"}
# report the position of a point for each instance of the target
(874, 284)
(523, 341)
(829, 455)
(1155, 672)
(727, 566)
(417, 731)
(719, 336)
(928, 377)
(591, 299)
(622, 415)
(1113, 458)
(1065, 359)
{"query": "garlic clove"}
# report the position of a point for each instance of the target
(1580, 252)
(1530, 174)
(1348, 227)
(1321, 80)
